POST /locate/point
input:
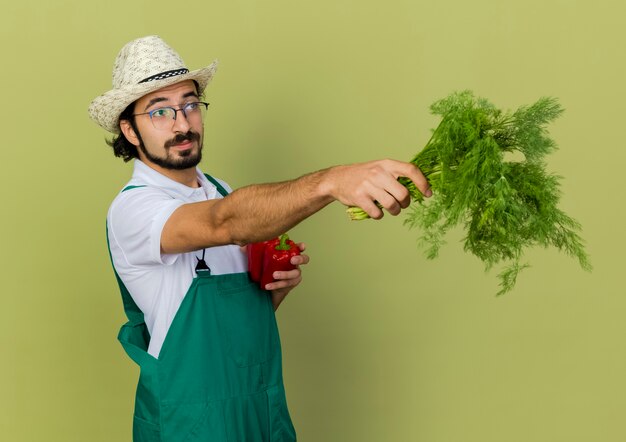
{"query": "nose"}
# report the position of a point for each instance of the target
(181, 124)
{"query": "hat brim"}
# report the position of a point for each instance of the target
(105, 110)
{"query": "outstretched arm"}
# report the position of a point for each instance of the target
(258, 212)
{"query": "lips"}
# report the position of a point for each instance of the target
(183, 146)
(182, 141)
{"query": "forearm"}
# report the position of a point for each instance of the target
(260, 212)
(249, 214)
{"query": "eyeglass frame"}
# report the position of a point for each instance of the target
(176, 110)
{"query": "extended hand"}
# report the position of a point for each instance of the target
(365, 184)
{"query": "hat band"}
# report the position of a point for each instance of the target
(164, 75)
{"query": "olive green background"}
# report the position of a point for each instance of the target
(379, 343)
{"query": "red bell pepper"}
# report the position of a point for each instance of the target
(256, 251)
(278, 258)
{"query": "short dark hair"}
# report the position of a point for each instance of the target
(121, 146)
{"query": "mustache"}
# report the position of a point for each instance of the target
(181, 138)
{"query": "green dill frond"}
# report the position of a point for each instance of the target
(508, 277)
(530, 134)
(505, 206)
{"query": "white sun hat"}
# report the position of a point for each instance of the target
(143, 66)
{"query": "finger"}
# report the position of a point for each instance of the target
(302, 246)
(420, 182)
(287, 274)
(283, 284)
(387, 201)
(299, 260)
(387, 179)
(401, 194)
(370, 207)
(411, 172)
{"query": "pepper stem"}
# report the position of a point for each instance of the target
(283, 242)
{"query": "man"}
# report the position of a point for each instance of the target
(203, 334)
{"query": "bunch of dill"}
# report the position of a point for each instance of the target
(505, 205)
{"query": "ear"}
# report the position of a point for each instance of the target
(129, 132)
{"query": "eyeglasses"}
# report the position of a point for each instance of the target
(164, 117)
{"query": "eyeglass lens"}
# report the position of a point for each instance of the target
(163, 118)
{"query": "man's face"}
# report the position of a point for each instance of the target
(179, 146)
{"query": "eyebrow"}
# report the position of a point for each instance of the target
(160, 99)
(153, 101)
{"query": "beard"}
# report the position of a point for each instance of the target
(185, 159)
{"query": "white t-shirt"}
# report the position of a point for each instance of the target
(158, 282)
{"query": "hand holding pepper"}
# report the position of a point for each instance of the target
(265, 273)
(284, 280)
(277, 257)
